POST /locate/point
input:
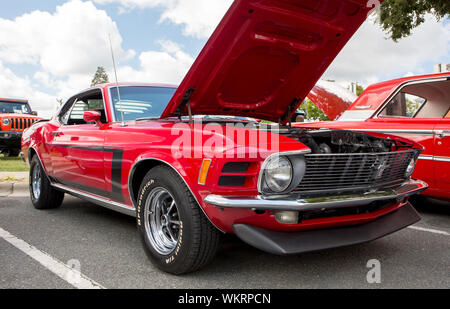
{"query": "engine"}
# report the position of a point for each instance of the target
(340, 141)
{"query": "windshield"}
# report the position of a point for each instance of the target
(140, 101)
(14, 108)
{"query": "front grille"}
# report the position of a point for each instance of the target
(346, 211)
(352, 172)
(21, 123)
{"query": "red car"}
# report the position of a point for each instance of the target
(416, 108)
(142, 149)
(331, 98)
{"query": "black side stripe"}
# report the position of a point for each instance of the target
(116, 174)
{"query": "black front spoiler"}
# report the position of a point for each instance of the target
(283, 243)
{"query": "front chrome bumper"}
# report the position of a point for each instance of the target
(295, 202)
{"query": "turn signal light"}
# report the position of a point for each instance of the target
(204, 171)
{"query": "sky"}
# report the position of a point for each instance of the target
(50, 49)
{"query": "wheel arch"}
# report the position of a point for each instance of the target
(33, 152)
(136, 177)
(138, 172)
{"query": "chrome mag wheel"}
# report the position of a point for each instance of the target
(162, 222)
(36, 181)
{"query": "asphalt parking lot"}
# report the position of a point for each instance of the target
(108, 249)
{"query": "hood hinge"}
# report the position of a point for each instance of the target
(287, 115)
(185, 101)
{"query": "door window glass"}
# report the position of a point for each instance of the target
(91, 102)
(403, 105)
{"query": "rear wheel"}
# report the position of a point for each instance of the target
(43, 195)
(177, 236)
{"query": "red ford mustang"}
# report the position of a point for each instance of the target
(145, 150)
(416, 108)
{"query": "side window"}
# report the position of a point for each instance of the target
(65, 112)
(403, 105)
(93, 101)
(76, 114)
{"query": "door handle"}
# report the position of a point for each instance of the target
(57, 133)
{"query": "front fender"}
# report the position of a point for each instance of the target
(185, 170)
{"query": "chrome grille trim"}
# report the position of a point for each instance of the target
(350, 172)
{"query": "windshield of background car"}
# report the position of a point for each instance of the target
(140, 101)
(14, 108)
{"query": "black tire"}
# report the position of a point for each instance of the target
(197, 240)
(49, 197)
(11, 153)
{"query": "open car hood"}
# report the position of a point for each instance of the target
(331, 98)
(265, 56)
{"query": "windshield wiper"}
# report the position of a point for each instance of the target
(147, 118)
(153, 118)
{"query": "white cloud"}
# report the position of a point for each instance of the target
(370, 56)
(199, 18)
(73, 40)
(169, 65)
(13, 86)
(65, 47)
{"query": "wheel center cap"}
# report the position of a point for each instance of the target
(164, 220)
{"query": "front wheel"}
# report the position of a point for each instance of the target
(177, 236)
(43, 195)
(11, 153)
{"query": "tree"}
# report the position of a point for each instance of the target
(412, 107)
(400, 17)
(100, 77)
(359, 90)
(312, 112)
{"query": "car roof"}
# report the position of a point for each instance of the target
(14, 100)
(409, 78)
(127, 84)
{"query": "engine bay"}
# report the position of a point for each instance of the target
(322, 141)
(340, 141)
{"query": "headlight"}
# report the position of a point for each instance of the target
(410, 168)
(278, 174)
(6, 121)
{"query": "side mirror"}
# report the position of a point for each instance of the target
(92, 116)
(34, 113)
